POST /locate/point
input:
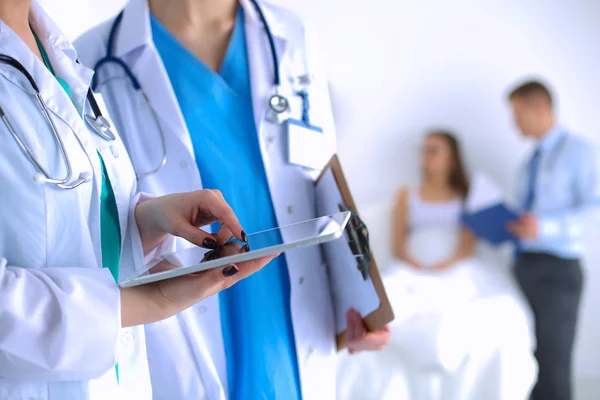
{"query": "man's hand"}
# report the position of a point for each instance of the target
(525, 228)
(359, 339)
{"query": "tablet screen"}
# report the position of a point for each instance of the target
(310, 229)
(260, 244)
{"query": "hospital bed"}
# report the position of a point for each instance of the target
(465, 334)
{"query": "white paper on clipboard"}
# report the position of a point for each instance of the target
(348, 287)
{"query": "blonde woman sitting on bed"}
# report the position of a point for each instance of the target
(461, 331)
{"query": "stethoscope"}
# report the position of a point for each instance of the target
(110, 58)
(97, 122)
(279, 106)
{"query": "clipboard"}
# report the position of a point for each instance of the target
(331, 187)
(490, 223)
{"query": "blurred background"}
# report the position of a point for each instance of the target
(399, 68)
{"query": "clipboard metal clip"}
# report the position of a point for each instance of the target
(358, 240)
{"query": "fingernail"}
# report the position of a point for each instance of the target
(206, 255)
(245, 248)
(230, 271)
(244, 237)
(213, 255)
(210, 243)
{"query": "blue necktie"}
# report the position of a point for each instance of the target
(534, 165)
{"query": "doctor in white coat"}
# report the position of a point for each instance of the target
(64, 322)
(209, 69)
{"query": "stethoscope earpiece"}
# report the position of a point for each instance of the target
(86, 176)
(39, 178)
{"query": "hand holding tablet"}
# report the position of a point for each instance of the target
(268, 243)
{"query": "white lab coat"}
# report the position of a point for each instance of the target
(60, 319)
(186, 354)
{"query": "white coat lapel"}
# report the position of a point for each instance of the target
(155, 81)
(62, 58)
(262, 76)
(135, 32)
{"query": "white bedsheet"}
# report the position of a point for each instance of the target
(461, 334)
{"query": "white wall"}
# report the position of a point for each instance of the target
(398, 67)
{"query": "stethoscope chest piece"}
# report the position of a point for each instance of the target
(101, 126)
(279, 109)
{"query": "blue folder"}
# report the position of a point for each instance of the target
(490, 223)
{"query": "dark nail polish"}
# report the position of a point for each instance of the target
(213, 255)
(230, 271)
(210, 243)
(244, 237)
(206, 256)
(245, 248)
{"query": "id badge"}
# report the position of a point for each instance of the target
(305, 144)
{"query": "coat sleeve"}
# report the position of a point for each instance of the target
(57, 323)
(139, 261)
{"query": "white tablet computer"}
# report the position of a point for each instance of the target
(265, 243)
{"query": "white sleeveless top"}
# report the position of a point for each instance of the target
(424, 214)
(434, 228)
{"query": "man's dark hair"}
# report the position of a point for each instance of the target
(532, 91)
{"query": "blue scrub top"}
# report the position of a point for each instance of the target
(255, 313)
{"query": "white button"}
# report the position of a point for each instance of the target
(201, 310)
(290, 209)
(127, 339)
(114, 151)
(270, 139)
(183, 164)
(301, 280)
(311, 351)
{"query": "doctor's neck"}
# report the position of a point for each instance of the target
(194, 13)
(204, 27)
(15, 14)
